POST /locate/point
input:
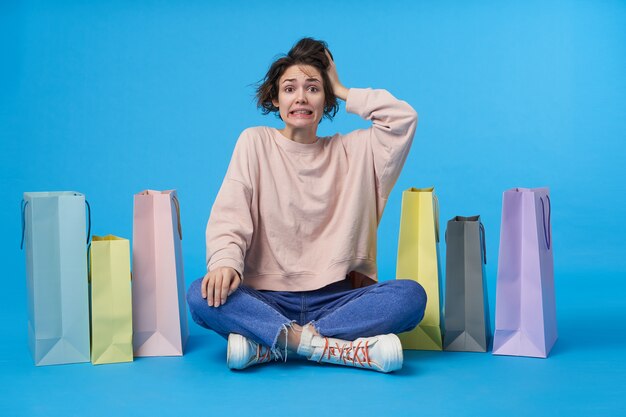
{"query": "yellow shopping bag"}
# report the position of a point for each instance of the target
(418, 260)
(111, 310)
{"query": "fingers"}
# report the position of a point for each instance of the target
(331, 65)
(329, 55)
(218, 289)
(218, 285)
(229, 284)
(205, 280)
(225, 284)
(338, 88)
(209, 288)
(234, 284)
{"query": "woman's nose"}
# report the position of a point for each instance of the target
(301, 97)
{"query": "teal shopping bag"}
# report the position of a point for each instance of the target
(55, 238)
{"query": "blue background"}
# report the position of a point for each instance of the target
(111, 97)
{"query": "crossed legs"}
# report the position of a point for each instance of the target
(277, 319)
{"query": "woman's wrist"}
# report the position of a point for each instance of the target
(341, 92)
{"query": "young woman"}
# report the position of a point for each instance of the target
(291, 239)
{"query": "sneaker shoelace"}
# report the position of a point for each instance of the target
(348, 352)
(263, 354)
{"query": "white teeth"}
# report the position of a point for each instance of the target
(302, 112)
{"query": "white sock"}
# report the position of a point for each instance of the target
(305, 348)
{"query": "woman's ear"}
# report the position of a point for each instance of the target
(275, 103)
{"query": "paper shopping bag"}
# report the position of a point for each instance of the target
(55, 236)
(525, 299)
(111, 310)
(159, 315)
(418, 260)
(466, 310)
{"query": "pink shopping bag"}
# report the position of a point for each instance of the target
(159, 315)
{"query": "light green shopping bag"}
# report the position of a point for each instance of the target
(418, 260)
(111, 310)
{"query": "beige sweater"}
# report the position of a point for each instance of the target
(297, 217)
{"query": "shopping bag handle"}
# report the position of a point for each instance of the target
(23, 212)
(436, 215)
(89, 262)
(88, 221)
(483, 243)
(546, 230)
(177, 205)
(23, 216)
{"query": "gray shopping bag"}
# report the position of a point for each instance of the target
(466, 305)
(55, 236)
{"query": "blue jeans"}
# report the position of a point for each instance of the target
(336, 310)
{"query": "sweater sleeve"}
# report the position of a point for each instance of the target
(390, 137)
(229, 230)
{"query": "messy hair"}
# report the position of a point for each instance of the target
(306, 51)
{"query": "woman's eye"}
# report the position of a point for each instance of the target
(313, 89)
(288, 89)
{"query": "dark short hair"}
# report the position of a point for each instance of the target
(306, 51)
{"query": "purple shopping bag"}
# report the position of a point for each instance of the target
(525, 301)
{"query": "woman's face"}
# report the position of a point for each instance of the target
(300, 97)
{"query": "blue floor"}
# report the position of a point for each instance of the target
(584, 376)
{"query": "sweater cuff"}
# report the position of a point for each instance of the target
(227, 262)
(356, 98)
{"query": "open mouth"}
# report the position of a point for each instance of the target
(301, 112)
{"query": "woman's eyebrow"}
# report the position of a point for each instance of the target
(293, 79)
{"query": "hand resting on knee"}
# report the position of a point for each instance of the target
(218, 284)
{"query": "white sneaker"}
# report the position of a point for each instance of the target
(381, 353)
(243, 352)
